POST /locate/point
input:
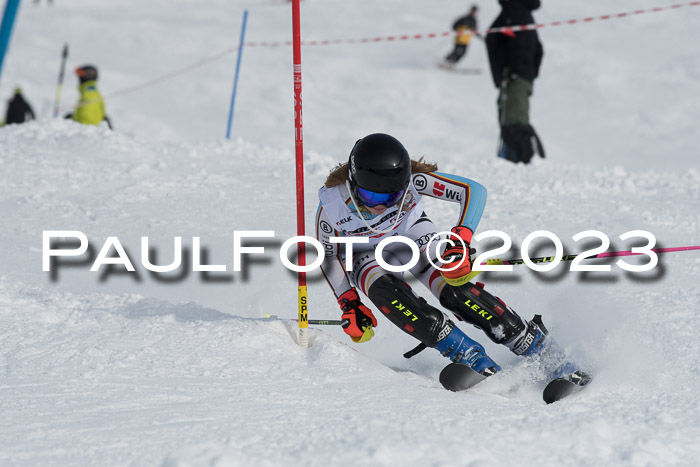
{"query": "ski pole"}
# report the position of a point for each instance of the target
(317, 322)
(59, 87)
(549, 259)
(541, 259)
(607, 254)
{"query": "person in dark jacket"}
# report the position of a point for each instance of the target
(465, 27)
(515, 58)
(18, 109)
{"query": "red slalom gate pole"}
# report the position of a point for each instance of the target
(299, 152)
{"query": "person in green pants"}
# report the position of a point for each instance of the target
(515, 58)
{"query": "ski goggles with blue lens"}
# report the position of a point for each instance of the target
(372, 199)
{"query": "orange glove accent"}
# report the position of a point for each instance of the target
(356, 317)
(456, 259)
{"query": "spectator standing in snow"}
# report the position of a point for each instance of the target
(18, 109)
(515, 59)
(91, 106)
(465, 27)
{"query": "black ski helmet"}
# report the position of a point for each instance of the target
(379, 163)
(86, 73)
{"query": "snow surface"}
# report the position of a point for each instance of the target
(180, 369)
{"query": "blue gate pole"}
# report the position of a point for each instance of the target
(235, 79)
(8, 20)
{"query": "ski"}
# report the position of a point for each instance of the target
(562, 387)
(459, 377)
(452, 68)
(466, 71)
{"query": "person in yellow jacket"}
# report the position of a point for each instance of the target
(465, 27)
(91, 106)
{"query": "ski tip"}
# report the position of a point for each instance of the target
(557, 390)
(563, 387)
(457, 377)
(452, 68)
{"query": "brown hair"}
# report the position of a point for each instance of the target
(340, 174)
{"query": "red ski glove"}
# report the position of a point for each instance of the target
(357, 319)
(457, 259)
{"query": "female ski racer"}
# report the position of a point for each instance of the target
(377, 194)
